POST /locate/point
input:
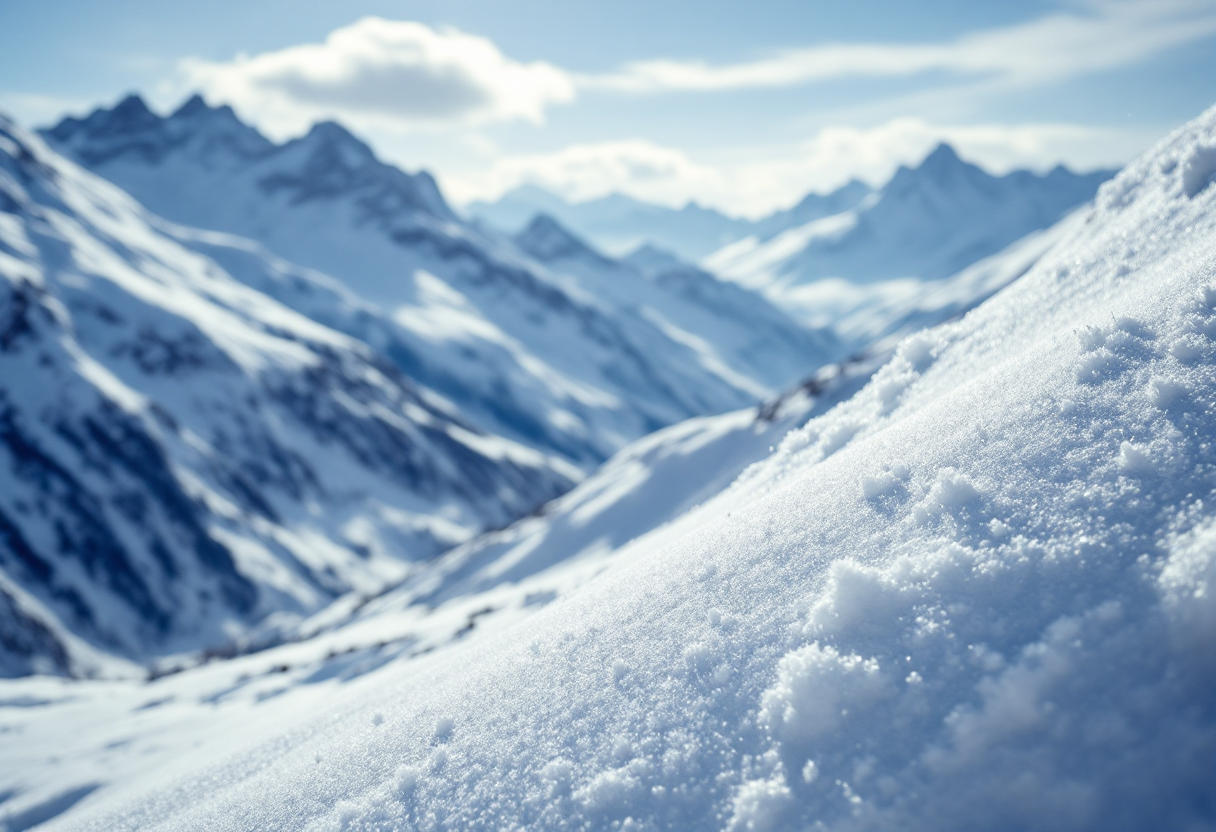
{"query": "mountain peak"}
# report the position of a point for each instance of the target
(196, 107)
(329, 137)
(942, 167)
(547, 240)
(193, 105)
(131, 115)
(651, 260)
(132, 106)
(941, 156)
(331, 131)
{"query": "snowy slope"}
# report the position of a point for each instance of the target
(976, 595)
(464, 314)
(182, 456)
(734, 333)
(95, 737)
(927, 224)
(645, 486)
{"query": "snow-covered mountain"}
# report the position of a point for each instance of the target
(977, 594)
(182, 456)
(925, 225)
(519, 350)
(812, 207)
(734, 332)
(867, 265)
(618, 224)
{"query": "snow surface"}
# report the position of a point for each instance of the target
(978, 594)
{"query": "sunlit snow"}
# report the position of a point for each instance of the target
(975, 595)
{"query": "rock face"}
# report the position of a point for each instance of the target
(510, 342)
(182, 456)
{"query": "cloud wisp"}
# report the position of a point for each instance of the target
(397, 73)
(1103, 35)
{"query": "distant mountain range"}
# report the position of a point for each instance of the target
(865, 263)
(941, 184)
(619, 224)
(875, 269)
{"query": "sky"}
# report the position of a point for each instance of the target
(742, 106)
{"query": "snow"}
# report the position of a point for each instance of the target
(977, 594)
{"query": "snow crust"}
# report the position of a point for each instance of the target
(978, 594)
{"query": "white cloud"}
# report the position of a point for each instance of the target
(33, 110)
(388, 73)
(755, 180)
(584, 171)
(1102, 34)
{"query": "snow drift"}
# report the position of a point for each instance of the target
(978, 594)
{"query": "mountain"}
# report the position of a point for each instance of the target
(619, 224)
(734, 332)
(926, 224)
(511, 345)
(975, 594)
(616, 223)
(182, 457)
(812, 207)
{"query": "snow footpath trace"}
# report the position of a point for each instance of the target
(979, 594)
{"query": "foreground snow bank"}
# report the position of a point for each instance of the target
(979, 594)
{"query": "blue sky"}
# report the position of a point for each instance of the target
(744, 106)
